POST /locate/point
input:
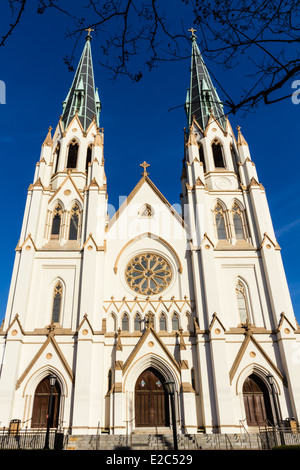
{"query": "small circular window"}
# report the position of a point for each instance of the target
(148, 274)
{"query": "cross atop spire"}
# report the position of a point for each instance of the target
(88, 37)
(193, 35)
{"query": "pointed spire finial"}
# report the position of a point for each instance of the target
(241, 139)
(48, 141)
(145, 165)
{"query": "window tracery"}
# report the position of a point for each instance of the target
(175, 322)
(148, 274)
(137, 322)
(238, 222)
(242, 302)
(56, 302)
(162, 322)
(125, 322)
(220, 222)
(74, 222)
(146, 211)
(56, 221)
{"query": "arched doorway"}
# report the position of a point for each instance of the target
(41, 402)
(257, 402)
(151, 400)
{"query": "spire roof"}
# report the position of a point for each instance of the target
(83, 97)
(202, 97)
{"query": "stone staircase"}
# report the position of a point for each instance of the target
(154, 442)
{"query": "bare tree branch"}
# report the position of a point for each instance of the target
(260, 36)
(13, 25)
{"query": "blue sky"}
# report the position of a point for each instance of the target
(139, 125)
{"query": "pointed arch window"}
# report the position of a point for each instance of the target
(217, 150)
(201, 157)
(56, 221)
(175, 322)
(146, 211)
(220, 223)
(72, 154)
(162, 322)
(88, 157)
(56, 303)
(125, 322)
(74, 222)
(238, 222)
(137, 322)
(242, 302)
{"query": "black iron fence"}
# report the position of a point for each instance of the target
(280, 436)
(29, 439)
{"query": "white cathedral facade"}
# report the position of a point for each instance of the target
(115, 307)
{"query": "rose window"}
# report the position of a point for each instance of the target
(148, 274)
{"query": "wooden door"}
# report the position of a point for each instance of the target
(41, 403)
(151, 400)
(256, 402)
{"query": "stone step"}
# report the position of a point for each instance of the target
(143, 441)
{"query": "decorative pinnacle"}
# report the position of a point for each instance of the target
(145, 165)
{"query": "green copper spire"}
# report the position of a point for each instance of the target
(202, 97)
(83, 96)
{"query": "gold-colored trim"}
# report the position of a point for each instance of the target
(98, 247)
(214, 120)
(16, 320)
(140, 343)
(48, 142)
(214, 320)
(146, 305)
(148, 235)
(282, 319)
(267, 238)
(85, 320)
(58, 351)
(146, 179)
(241, 139)
(62, 184)
(29, 237)
(249, 337)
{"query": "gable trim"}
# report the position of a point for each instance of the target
(57, 349)
(140, 344)
(148, 235)
(241, 353)
(146, 179)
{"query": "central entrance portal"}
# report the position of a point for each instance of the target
(151, 400)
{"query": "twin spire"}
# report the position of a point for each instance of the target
(202, 98)
(83, 97)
